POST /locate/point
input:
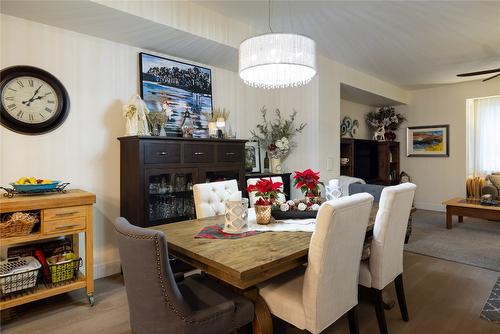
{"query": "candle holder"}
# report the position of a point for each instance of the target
(236, 217)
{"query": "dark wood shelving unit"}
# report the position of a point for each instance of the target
(347, 151)
(376, 162)
(157, 174)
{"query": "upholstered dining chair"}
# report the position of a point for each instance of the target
(385, 264)
(251, 196)
(161, 303)
(209, 198)
(314, 297)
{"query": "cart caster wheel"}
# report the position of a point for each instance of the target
(91, 299)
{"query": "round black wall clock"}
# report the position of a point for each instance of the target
(33, 101)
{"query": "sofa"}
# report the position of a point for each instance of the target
(376, 190)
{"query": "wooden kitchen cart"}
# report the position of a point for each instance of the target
(61, 214)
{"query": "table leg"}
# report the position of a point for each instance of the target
(460, 219)
(262, 321)
(448, 218)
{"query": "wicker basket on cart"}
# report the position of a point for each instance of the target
(17, 224)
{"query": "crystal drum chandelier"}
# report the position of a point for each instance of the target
(277, 60)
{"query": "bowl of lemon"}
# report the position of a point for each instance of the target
(32, 184)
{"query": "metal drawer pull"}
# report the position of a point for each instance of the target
(230, 153)
(161, 153)
(66, 227)
(199, 153)
(66, 213)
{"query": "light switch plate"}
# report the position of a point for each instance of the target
(329, 164)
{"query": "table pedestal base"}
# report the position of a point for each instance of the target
(262, 321)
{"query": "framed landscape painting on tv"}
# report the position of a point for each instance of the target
(428, 141)
(180, 87)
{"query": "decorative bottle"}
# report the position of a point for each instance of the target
(266, 163)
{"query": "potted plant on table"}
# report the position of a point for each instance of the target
(308, 182)
(268, 191)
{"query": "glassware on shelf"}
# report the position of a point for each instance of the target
(163, 186)
(154, 188)
(180, 182)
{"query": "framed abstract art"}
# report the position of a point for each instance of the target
(176, 88)
(428, 141)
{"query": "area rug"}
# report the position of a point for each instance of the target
(474, 242)
(491, 310)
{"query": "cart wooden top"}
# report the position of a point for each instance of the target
(72, 197)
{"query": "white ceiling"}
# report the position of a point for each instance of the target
(411, 44)
(94, 19)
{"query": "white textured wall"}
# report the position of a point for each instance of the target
(357, 111)
(439, 179)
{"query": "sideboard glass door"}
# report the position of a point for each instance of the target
(170, 194)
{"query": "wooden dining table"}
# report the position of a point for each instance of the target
(241, 263)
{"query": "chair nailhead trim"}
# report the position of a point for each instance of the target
(162, 283)
(158, 268)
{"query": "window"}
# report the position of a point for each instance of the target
(483, 135)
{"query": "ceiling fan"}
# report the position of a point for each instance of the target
(471, 74)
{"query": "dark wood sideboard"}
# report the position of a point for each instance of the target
(157, 174)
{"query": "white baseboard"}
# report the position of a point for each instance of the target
(430, 206)
(106, 269)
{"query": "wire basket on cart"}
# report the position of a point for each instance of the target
(18, 273)
(64, 270)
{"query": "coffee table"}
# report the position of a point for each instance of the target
(470, 208)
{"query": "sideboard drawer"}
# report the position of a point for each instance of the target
(63, 225)
(199, 152)
(230, 153)
(162, 153)
(65, 212)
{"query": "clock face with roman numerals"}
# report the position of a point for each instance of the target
(29, 99)
(32, 100)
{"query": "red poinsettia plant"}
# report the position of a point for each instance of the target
(267, 190)
(308, 182)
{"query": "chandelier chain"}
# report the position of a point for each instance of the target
(269, 16)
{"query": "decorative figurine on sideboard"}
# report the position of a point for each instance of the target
(187, 126)
(136, 114)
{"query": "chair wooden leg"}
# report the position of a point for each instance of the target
(352, 315)
(400, 292)
(379, 310)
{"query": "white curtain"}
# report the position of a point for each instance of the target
(483, 132)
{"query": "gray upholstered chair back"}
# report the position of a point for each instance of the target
(155, 302)
(373, 189)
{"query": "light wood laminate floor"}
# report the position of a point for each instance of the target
(443, 297)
